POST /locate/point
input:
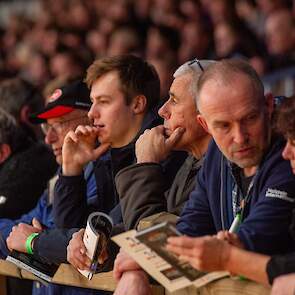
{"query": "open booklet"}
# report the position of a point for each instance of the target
(148, 249)
(44, 271)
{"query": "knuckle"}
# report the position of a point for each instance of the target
(22, 226)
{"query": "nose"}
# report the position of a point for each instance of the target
(287, 152)
(50, 136)
(93, 113)
(240, 134)
(164, 111)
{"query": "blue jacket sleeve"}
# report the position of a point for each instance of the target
(74, 194)
(196, 218)
(7, 224)
(265, 229)
(280, 265)
(51, 245)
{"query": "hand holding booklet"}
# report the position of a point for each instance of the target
(96, 236)
(148, 249)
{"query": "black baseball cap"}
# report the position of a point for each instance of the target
(75, 95)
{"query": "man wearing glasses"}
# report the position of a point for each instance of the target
(67, 108)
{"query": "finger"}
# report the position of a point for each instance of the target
(185, 242)
(116, 273)
(101, 150)
(77, 241)
(77, 237)
(130, 264)
(83, 261)
(71, 137)
(78, 264)
(77, 260)
(81, 129)
(175, 249)
(174, 137)
(159, 129)
(91, 129)
(181, 251)
(86, 130)
(78, 234)
(36, 223)
(185, 258)
(222, 235)
(122, 266)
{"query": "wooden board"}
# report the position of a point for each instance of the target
(67, 275)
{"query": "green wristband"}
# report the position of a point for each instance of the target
(29, 241)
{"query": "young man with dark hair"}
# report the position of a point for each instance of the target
(141, 186)
(124, 92)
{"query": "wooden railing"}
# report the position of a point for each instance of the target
(66, 275)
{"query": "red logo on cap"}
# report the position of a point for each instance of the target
(55, 95)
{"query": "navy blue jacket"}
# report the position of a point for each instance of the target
(268, 211)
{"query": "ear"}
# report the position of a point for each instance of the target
(24, 114)
(139, 104)
(5, 152)
(269, 103)
(201, 120)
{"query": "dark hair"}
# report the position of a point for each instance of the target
(137, 76)
(16, 93)
(285, 121)
(10, 133)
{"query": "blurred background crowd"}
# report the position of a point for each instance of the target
(57, 39)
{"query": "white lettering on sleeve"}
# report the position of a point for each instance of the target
(274, 193)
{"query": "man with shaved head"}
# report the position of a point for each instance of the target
(244, 175)
(244, 185)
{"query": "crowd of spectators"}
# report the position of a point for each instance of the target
(65, 36)
(58, 43)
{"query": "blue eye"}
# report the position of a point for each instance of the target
(223, 126)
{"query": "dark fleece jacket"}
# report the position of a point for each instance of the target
(23, 178)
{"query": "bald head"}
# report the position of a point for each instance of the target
(235, 112)
(225, 72)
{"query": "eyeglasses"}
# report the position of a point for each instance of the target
(195, 60)
(58, 127)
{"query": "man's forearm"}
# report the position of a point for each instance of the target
(249, 264)
(70, 196)
(51, 245)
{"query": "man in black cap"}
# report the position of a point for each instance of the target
(67, 108)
